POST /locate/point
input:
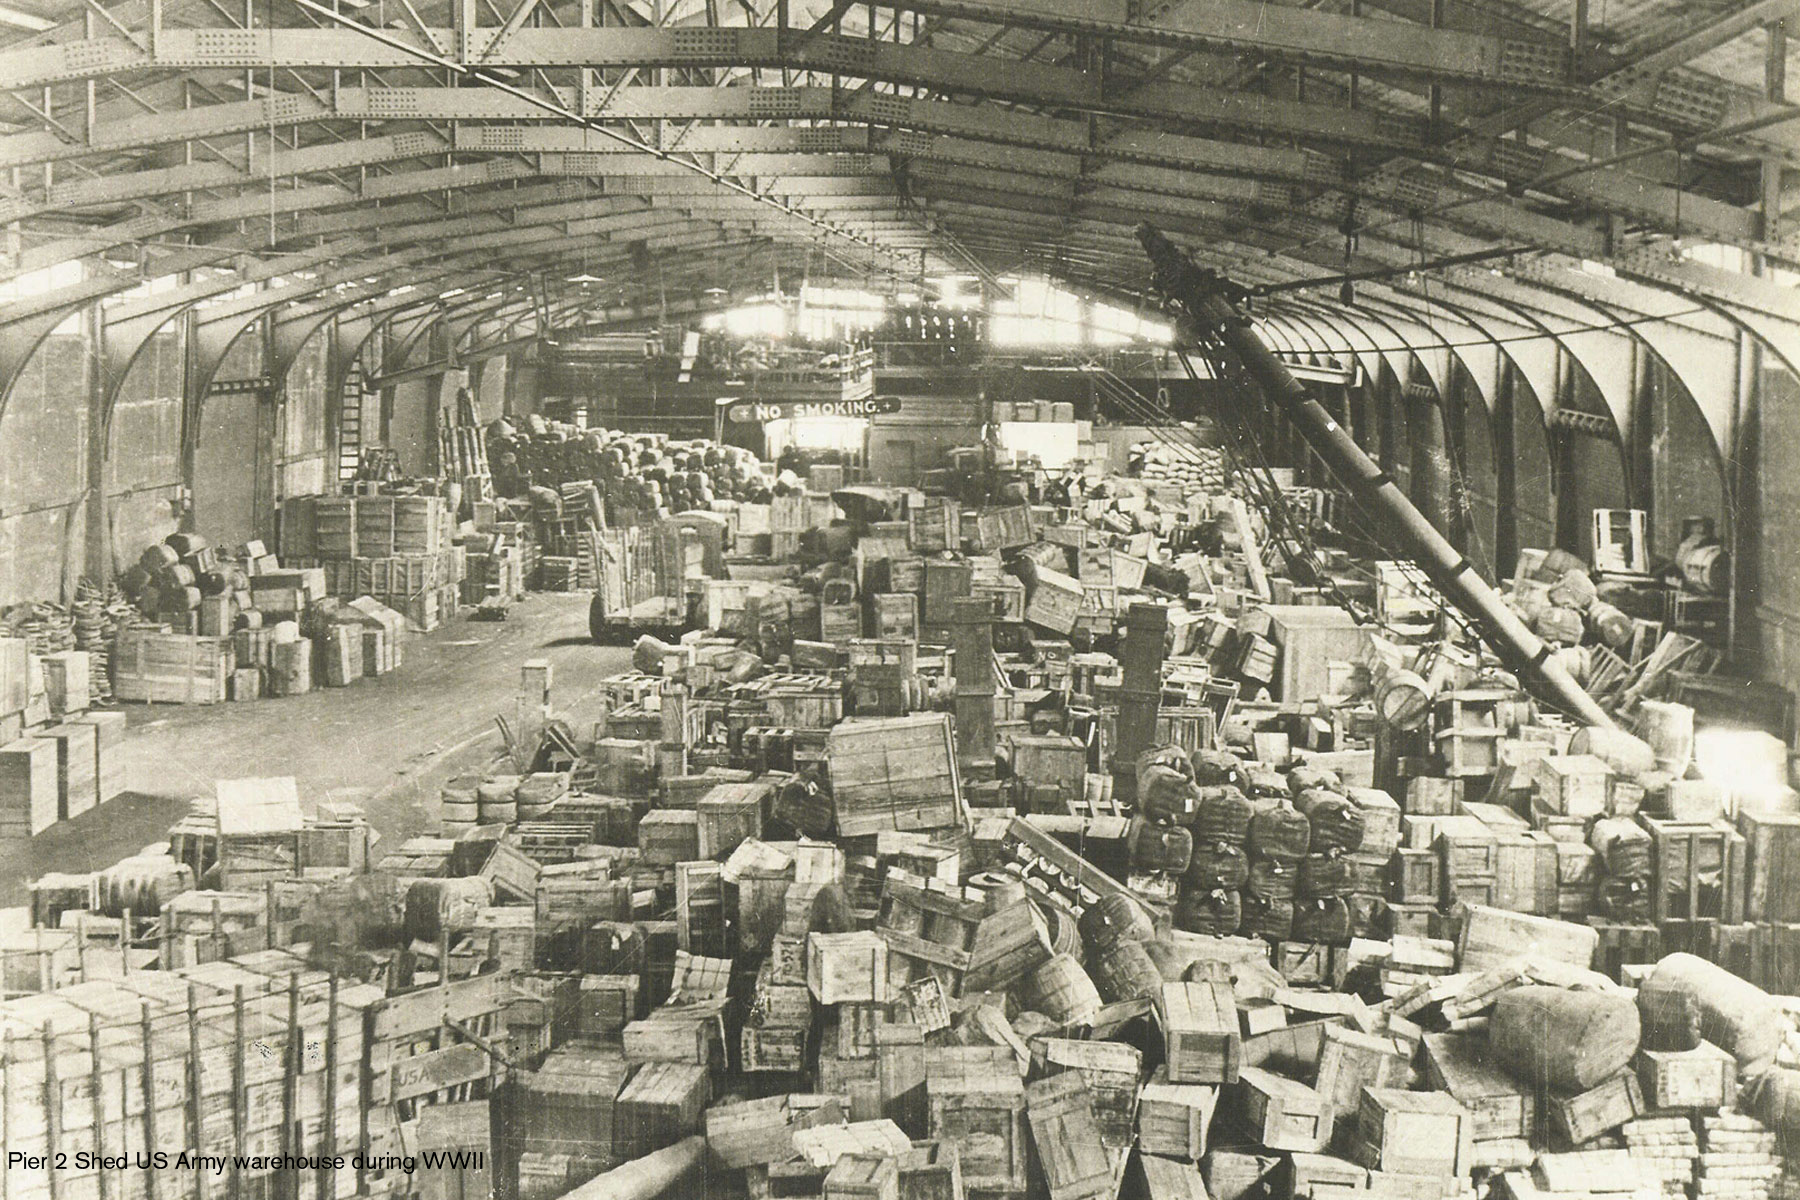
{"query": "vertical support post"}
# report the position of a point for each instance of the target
(1775, 89)
(196, 1089)
(52, 1109)
(150, 1139)
(1140, 693)
(238, 1049)
(97, 553)
(1578, 38)
(97, 1081)
(974, 640)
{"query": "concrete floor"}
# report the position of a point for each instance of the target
(388, 743)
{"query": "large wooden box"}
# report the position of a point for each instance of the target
(1066, 1137)
(661, 1104)
(897, 773)
(1173, 1118)
(1282, 1113)
(28, 787)
(1413, 1133)
(1570, 785)
(110, 777)
(76, 786)
(1311, 638)
(728, 814)
(1499, 1106)
(1602, 1108)
(1491, 937)
(1773, 851)
(1702, 1078)
(1200, 1032)
(982, 1116)
(847, 967)
(169, 668)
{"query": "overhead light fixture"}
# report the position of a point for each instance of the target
(24, 20)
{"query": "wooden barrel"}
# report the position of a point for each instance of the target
(1126, 972)
(141, 885)
(999, 889)
(436, 905)
(1113, 919)
(1668, 729)
(1402, 700)
(1610, 624)
(1060, 927)
(1062, 991)
(1558, 1038)
(155, 558)
(1735, 1015)
(1624, 753)
(1705, 568)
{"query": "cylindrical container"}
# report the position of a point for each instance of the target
(155, 558)
(1705, 568)
(537, 794)
(1735, 1015)
(459, 800)
(1000, 890)
(1559, 626)
(496, 801)
(1610, 624)
(141, 885)
(1113, 919)
(1556, 564)
(1060, 929)
(1668, 729)
(1126, 972)
(436, 905)
(1062, 991)
(1403, 700)
(1559, 1038)
(1625, 754)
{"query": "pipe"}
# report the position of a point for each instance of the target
(644, 1178)
(1207, 299)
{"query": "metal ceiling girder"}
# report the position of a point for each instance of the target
(1303, 35)
(1685, 341)
(178, 124)
(101, 283)
(253, 271)
(543, 137)
(1480, 359)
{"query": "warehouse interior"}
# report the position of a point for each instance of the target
(911, 600)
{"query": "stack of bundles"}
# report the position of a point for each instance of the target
(172, 577)
(1554, 593)
(99, 613)
(1211, 895)
(635, 472)
(1322, 911)
(1159, 841)
(1194, 468)
(1280, 836)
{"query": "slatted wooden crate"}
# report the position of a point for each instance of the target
(1580, 1119)
(897, 773)
(1413, 1133)
(981, 1115)
(1699, 871)
(28, 787)
(1698, 1079)
(1499, 1107)
(1200, 1032)
(1173, 1119)
(661, 1104)
(1281, 1113)
(1066, 1139)
(1773, 866)
(170, 668)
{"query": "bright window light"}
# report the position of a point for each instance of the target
(36, 283)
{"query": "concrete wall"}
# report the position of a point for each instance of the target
(305, 463)
(43, 472)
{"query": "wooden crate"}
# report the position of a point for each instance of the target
(1413, 1133)
(1525, 873)
(77, 789)
(569, 1099)
(605, 1005)
(728, 814)
(1570, 785)
(847, 967)
(863, 1177)
(1350, 1060)
(896, 773)
(1055, 602)
(1619, 945)
(1498, 1106)
(109, 765)
(1699, 871)
(1414, 876)
(169, 668)
(981, 1115)
(1066, 1138)
(667, 836)
(1200, 1032)
(661, 1104)
(1772, 865)
(1281, 1113)
(1702, 1078)
(931, 1171)
(1173, 1118)
(1240, 1174)
(1602, 1108)
(1491, 937)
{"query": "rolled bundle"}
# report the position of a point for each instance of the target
(1158, 847)
(1216, 866)
(1778, 1107)
(1623, 898)
(1336, 823)
(1172, 757)
(141, 885)
(1264, 783)
(1218, 914)
(1735, 1015)
(176, 576)
(459, 800)
(1322, 876)
(1222, 814)
(1166, 795)
(1556, 564)
(1323, 919)
(647, 654)
(1623, 846)
(1573, 590)
(1304, 778)
(1625, 754)
(1062, 991)
(155, 558)
(1126, 972)
(1564, 1039)
(1113, 919)
(1268, 918)
(1610, 624)
(1280, 829)
(1217, 768)
(186, 545)
(1273, 877)
(495, 800)
(1559, 626)
(434, 906)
